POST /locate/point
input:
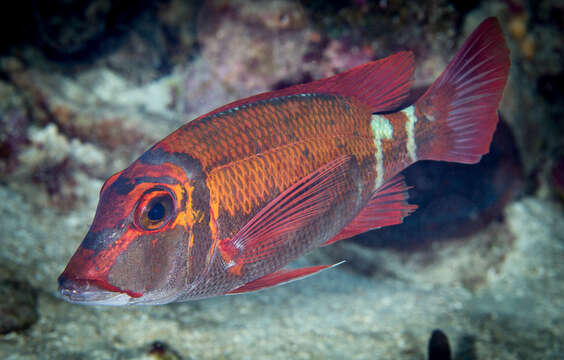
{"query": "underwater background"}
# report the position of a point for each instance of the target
(87, 86)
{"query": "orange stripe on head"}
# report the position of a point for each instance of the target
(121, 192)
(188, 216)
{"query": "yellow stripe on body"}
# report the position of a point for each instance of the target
(411, 145)
(381, 129)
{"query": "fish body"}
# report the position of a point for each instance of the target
(224, 203)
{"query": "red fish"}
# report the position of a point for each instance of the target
(224, 203)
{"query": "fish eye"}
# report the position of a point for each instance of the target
(156, 212)
(155, 209)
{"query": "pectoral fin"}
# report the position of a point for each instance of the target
(307, 199)
(281, 277)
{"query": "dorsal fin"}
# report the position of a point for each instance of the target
(382, 85)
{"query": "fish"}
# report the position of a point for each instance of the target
(223, 204)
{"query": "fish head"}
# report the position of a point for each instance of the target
(137, 248)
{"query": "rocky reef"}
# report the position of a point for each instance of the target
(87, 86)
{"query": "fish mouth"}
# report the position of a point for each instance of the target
(92, 292)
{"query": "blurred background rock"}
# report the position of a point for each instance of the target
(87, 85)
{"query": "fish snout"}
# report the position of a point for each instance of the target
(85, 291)
(69, 287)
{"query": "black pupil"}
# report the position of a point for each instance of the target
(157, 212)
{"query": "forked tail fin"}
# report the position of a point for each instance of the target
(458, 112)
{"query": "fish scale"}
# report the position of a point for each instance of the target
(280, 163)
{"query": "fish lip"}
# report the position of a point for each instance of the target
(88, 292)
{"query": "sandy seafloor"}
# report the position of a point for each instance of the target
(496, 292)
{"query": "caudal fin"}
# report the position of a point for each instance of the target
(458, 112)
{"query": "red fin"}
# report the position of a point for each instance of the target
(382, 84)
(281, 277)
(463, 101)
(387, 207)
(268, 229)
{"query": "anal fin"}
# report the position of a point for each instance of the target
(388, 206)
(281, 277)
